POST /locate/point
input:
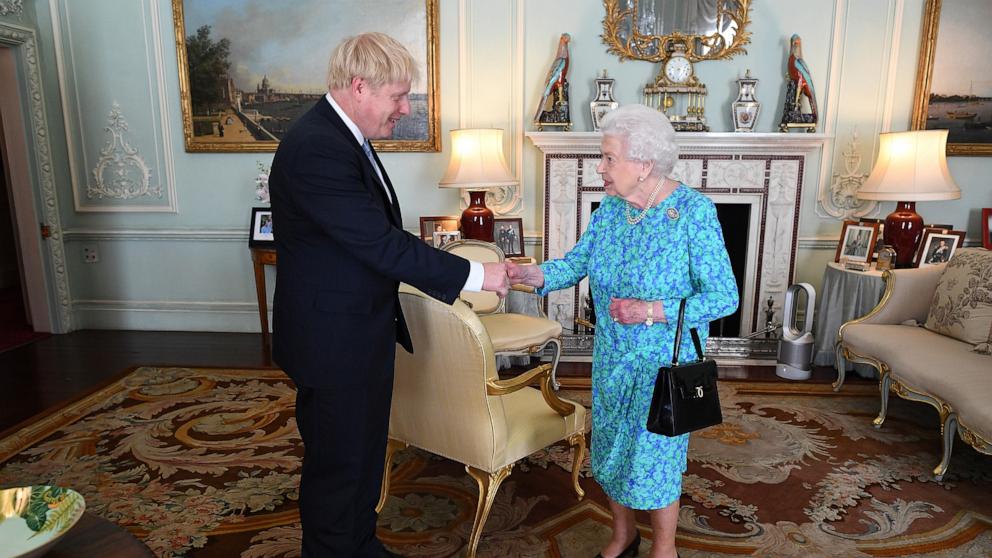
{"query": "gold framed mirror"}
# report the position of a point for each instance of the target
(648, 29)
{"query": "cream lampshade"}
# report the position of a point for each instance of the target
(477, 163)
(911, 167)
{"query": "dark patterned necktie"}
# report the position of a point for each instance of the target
(367, 148)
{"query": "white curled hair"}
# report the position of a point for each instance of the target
(647, 134)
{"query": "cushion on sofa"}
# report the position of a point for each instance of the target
(962, 302)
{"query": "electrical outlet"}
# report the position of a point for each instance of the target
(90, 254)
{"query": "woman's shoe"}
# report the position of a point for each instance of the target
(631, 549)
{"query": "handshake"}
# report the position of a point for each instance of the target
(501, 277)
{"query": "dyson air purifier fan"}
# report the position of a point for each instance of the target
(795, 350)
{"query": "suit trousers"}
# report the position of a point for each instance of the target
(344, 433)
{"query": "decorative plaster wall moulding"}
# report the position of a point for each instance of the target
(122, 161)
(839, 198)
(121, 173)
(11, 7)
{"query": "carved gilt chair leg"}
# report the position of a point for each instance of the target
(840, 364)
(556, 343)
(578, 443)
(488, 485)
(883, 386)
(948, 428)
(392, 446)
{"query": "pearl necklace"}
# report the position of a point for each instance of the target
(632, 219)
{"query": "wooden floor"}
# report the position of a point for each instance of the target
(61, 368)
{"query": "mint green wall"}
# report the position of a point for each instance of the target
(181, 261)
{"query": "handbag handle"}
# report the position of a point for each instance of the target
(678, 337)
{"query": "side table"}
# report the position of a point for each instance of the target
(95, 536)
(261, 257)
(845, 295)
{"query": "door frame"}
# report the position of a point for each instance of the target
(25, 140)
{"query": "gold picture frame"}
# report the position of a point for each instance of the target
(229, 124)
(625, 39)
(964, 123)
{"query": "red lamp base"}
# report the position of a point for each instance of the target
(477, 219)
(903, 229)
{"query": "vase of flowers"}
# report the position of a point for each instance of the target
(262, 183)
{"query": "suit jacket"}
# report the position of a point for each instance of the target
(341, 253)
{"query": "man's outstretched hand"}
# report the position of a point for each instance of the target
(495, 279)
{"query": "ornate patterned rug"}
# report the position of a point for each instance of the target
(205, 462)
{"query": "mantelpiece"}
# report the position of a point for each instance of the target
(763, 171)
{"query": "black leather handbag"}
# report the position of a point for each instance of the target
(685, 395)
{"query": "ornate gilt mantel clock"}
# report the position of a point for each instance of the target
(677, 34)
(678, 92)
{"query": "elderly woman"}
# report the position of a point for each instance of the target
(651, 243)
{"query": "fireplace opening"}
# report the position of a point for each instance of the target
(734, 221)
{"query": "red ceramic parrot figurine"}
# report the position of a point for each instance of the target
(799, 73)
(555, 82)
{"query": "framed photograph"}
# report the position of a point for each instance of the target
(260, 231)
(879, 240)
(857, 242)
(248, 70)
(431, 225)
(951, 93)
(937, 246)
(987, 227)
(508, 233)
(440, 238)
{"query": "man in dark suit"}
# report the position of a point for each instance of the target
(342, 252)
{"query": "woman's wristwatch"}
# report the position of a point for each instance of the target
(650, 319)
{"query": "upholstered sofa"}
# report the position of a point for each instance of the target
(930, 338)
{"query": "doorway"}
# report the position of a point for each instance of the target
(15, 326)
(24, 305)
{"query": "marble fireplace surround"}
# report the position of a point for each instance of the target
(762, 170)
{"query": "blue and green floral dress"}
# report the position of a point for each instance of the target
(676, 251)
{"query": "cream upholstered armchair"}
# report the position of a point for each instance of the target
(512, 334)
(449, 400)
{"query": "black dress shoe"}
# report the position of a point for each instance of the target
(631, 549)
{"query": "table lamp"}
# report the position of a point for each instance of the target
(477, 163)
(911, 167)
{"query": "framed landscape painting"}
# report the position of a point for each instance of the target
(248, 69)
(952, 90)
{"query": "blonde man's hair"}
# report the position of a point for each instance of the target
(375, 57)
